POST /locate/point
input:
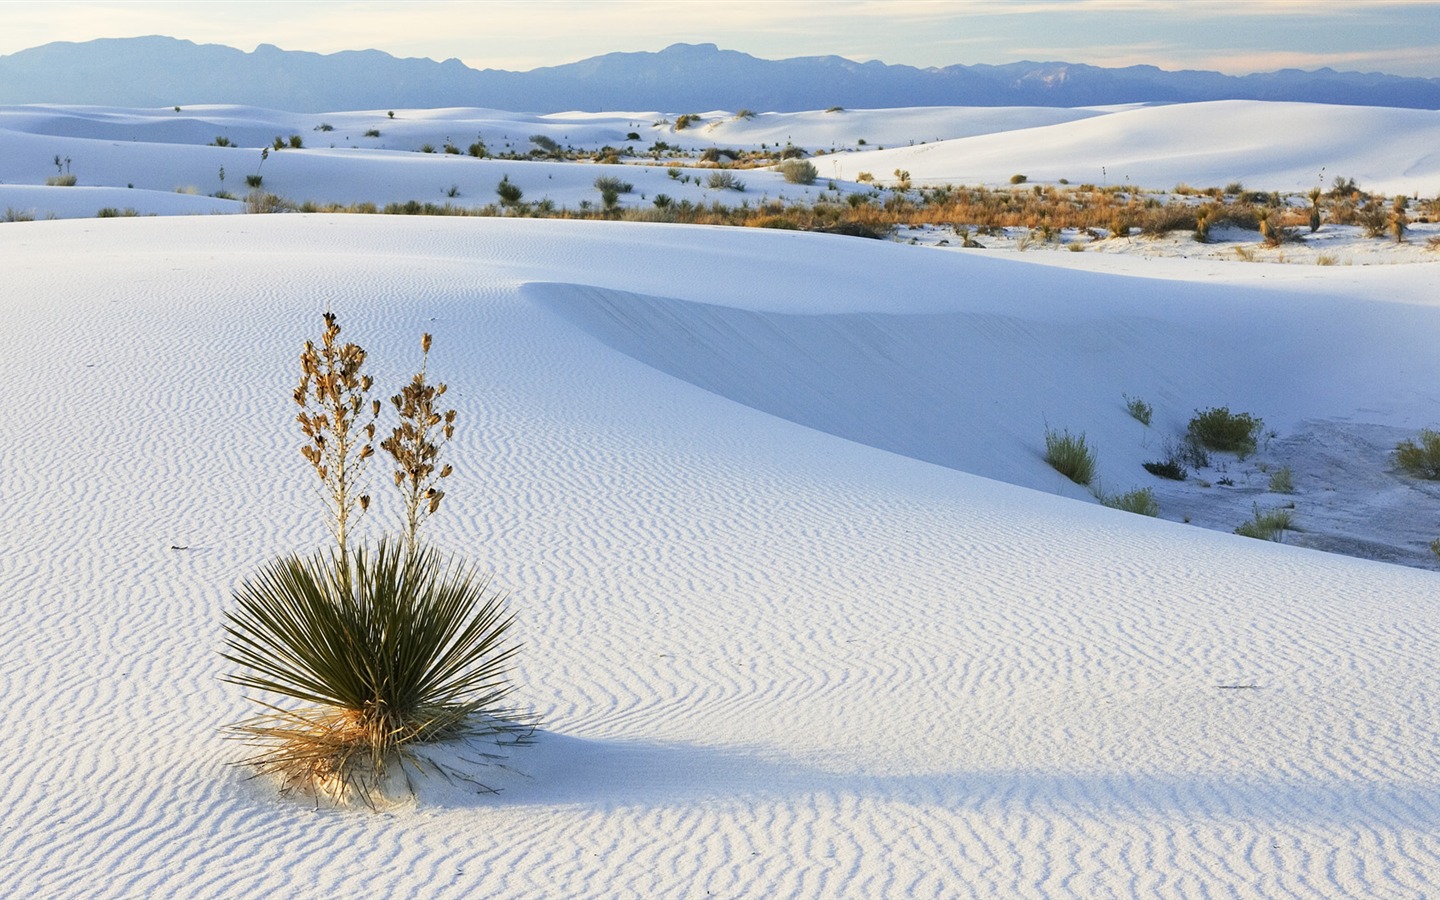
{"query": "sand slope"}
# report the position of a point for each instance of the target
(772, 659)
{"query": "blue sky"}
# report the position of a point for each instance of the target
(1233, 36)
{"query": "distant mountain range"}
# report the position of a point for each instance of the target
(163, 71)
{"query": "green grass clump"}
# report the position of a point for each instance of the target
(1139, 410)
(611, 183)
(1421, 457)
(724, 180)
(1266, 525)
(1282, 481)
(799, 171)
(1069, 455)
(1218, 428)
(1140, 501)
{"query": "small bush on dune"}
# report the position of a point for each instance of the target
(1139, 410)
(509, 192)
(1282, 481)
(1266, 525)
(1219, 429)
(1420, 457)
(1068, 455)
(1140, 501)
(61, 181)
(799, 171)
(1172, 469)
(265, 202)
(611, 183)
(724, 180)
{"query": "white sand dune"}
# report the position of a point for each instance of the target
(787, 635)
(139, 159)
(1267, 146)
(781, 643)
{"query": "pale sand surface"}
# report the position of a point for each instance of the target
(805, 613)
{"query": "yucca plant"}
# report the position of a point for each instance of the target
(376, 650)
(396, 649)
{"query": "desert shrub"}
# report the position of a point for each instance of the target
(113, 212)
(1169, 468)
(1372, 218)
(835, 109)
(1399, 222)
(1274, 233)
(611, 183)
(296, 142)
(1069, 455)
(783, 223)
(1341, 188)
(1282, 481)
(18, 215)
(685, 121)
(724, 180)
(451, 149)
(1435, 547)
(427, 148)
(509, 192)
(1266, 525)
(324, 126)
(259, 201)
(61, 180)
(1421, 456)
(221, 141)
(545, 144)
(1219, 429)
(1202, 226)
(799, 171)
(372, 132)
(1235, 188)
(1139, 410)
(1160, 221)
(254, 181)
(1140, 501)
(662, 201)
(1019, 179)
(745, 114)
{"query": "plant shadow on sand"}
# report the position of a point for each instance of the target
(560, 770)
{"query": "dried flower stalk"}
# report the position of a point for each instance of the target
(333, 409)
(415, 446)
